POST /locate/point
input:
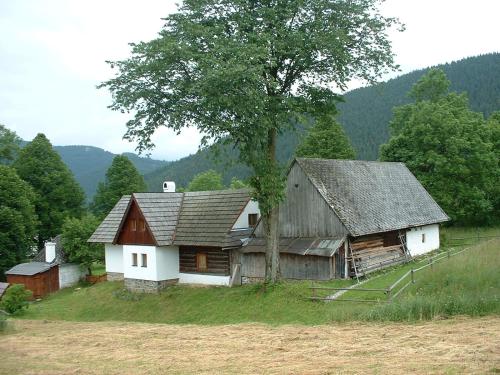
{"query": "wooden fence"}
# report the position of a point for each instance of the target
(93, 279)
(393, 290)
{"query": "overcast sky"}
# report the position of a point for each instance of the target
(53, 52)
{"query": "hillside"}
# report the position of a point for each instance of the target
(365, 115)
(89, 164)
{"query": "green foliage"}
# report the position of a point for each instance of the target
(326, 140)
(9, 145)
(18, 221)
(15, 299)
(75, 233)
(448, 148)
(58, 195)
(237, 184)
(432, 86)
(244, 72)
(364, 114)
(122, 178)
(209, 180)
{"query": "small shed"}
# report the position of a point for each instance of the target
(39, 277)
(3, 288)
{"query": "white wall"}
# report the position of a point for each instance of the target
(162, 262)
(192, 278)
(167, 258)
(414, 239)
(50, 251)
(113, 258)
(252, 207)
(70, 274)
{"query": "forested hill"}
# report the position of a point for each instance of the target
(89, 164)
(367, 111)
(365, 115)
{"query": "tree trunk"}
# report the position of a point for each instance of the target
(271, 222)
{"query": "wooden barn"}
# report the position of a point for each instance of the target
(347, 218)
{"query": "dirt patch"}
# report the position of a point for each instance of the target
(448, 346)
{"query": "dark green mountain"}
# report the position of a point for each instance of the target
(365, 116)
(89, 164)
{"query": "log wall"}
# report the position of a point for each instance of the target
(217, 260)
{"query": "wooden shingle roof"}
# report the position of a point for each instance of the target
(206, 217)
(108, 229)
(372, 197)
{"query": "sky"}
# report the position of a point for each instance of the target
(53, 53)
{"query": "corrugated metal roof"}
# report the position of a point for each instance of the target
(29, 269)
(325, 247)
(372, 197)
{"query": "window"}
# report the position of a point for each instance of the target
(201, 262)
(142, 226)
(133, 225)
(134, 259)
(144, 260)
(423, 237)
(252, 219)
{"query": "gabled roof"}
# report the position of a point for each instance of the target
(371, 197)
(60, 254)
(160, 211)
(206, 217)
(108, 229)
(202, 218)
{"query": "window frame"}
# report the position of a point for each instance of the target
(134, 260)
(255, 217)
(423, 237)
(144, 260)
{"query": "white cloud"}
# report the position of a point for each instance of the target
(53, 55)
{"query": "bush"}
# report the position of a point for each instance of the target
(15, 299)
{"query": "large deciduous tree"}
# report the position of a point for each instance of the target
(75, 233)
(327, 140)
(9, 145)
(58, 195)
(209, 180)
(448, 147)
(244, 71)
(18, 220)
(122, 178)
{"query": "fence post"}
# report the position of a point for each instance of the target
(431, 262)
(448, 252)
(412, 276)
(313, 290)
(389, 297)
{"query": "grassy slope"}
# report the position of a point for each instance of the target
(466, 284)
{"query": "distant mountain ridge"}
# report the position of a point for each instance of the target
(365, 116)
(89, 164)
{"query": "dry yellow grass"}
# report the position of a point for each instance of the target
(460, 345)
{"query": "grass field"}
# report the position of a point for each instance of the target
(468, 284)
(454, 346)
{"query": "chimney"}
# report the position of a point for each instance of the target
(169, 187)
(50, 251)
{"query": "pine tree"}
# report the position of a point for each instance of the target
(326, 140)
(122, 178)
(18, 221)
(58, 195)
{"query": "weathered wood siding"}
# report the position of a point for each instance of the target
(304, 212)
(134, 230)
(40, 284)
(298, 267)
(217, 260)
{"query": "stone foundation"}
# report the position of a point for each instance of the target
(114, 276)
(147, 286)
(251, 280)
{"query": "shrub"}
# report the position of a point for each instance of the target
(15, 299)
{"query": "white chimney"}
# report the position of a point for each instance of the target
(169, 187)
(50, 251)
